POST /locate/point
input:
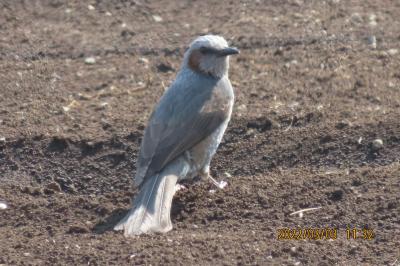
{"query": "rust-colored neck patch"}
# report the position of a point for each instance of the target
(194, 61)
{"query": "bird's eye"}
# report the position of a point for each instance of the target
(205, 50)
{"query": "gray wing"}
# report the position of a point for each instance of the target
(177, 124)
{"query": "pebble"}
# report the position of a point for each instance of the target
(157, 18)
(54, 186)
(356, 18)
(83, 97)
(108, 14)
(372, 20)
(3, 205)
(2, 139)
(228, 175)
(242, 108)
(90, 60)
(90, 7)
(372, 41)
(102, 106)
(372, 17)
(373, 23)
(377, 144)
(143, 60)
(393, 51)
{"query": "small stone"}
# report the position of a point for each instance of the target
(242, 108)
(26, 254)
(228, 175)
(372, 41)
(298, 2)
(2, 139)
(337, 195)
(3, 205)
(77, 229)
(342, 124)
(393, 51)
(90, 60)
(54, 186)
(157, 18)
(68, 10)
(90, 7)
(382, 54)
(143, 60)
(165, 67)
(83, 97)
(377, 144)
(373, 23)
(372, 20)
(108, 14)
(356, 18)
(372, 17)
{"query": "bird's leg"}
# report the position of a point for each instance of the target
(205, 174)
(215, 182)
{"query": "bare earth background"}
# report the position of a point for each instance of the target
(78, 81)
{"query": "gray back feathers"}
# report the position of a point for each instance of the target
(180, 120)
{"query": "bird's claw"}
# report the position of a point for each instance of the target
(179, 187)
(220, 184)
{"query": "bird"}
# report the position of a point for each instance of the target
(182, 135)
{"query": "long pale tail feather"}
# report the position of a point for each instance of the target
(152, 207)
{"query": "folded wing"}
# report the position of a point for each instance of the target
(178, 123)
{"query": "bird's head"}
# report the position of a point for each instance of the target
(208, 55)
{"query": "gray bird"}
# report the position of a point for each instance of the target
(183, 134)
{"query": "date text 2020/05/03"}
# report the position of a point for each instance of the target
(323, 233)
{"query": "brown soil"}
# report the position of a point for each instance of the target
(311, 97)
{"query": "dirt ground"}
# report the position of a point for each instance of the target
(78, 81)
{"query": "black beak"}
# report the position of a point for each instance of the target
(228, 51)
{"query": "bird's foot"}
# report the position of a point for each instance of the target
(179, 187)
(220, 184)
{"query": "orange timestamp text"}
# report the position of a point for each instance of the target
(327, 233)
(307, 233)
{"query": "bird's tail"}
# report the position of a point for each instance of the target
(151, 208)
